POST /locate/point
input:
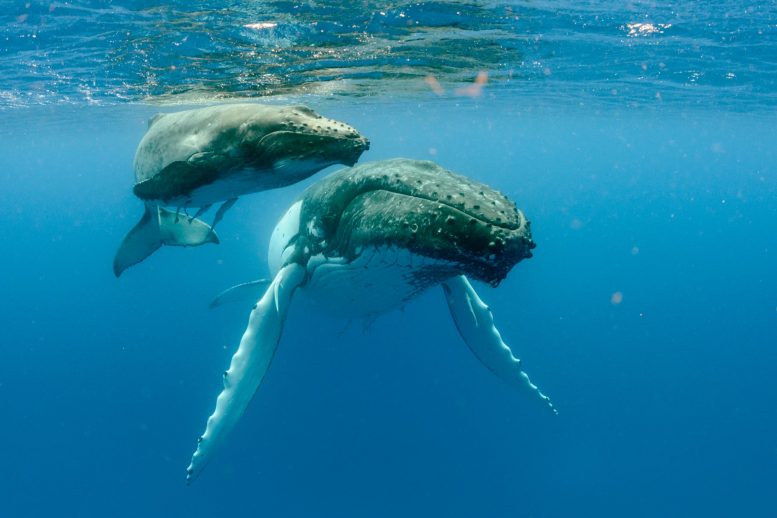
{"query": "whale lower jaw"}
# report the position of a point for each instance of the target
(378, 280)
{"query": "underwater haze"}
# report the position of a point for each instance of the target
(640, 140)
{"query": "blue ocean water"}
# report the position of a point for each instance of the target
(640, 141)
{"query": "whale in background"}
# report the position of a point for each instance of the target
(200, 157)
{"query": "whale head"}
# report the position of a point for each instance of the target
(464, 226)
(294, 135)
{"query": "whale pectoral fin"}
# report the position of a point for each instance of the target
(223, 210)
(177, 231)
(251, 290)
(140, 242)
(475, 323)
(159, 227)
(249, 364)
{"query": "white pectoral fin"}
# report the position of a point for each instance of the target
(248, 291)
(140, 242)
(475, 323)
(158, 227)
(249, 364)
(177, 230)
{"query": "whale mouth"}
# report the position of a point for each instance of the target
(486, 247)
(418, 206)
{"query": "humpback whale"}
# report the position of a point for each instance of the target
(371, 238)
(196, 158)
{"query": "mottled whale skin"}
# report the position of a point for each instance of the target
(369, 239)
(196, 158)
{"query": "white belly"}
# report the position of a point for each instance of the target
(234, 185)
(377, 281)
(246, 180)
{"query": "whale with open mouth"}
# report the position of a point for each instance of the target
(200, 157)
(366, 240)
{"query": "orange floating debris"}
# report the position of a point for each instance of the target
(434, 84)
(476, 88)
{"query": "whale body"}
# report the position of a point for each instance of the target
(369, 239)
(196, 158)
